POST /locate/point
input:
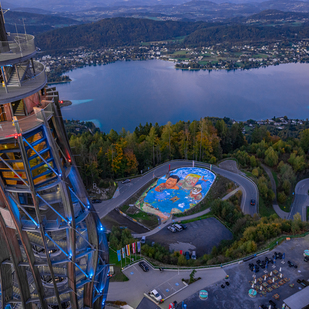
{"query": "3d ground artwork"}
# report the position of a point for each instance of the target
(176, 192)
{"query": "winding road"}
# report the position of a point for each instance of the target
(248, 187)
(301, 201)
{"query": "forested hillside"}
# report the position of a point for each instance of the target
(113, 32)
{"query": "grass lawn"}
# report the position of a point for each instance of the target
(287, 205)
(113, 260)
(144, 218)
(275, 177)
(260, 56)
(209, 215)
(203, 62)
(265, 211)
(149, 220)
(180, 52)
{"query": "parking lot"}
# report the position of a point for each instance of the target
(241, 279)
(170, 287)
(200, 236)
(166, 283)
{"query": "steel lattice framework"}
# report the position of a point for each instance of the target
(54, 253)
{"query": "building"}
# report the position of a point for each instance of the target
(299, 300)
(54, 253)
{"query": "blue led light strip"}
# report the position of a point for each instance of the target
(26, 212)
(63, 218)
(41, 157)
(77, 197)
(65, 254)
(56, 244)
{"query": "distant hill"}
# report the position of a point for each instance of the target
(36, 23)
(276, 15)
(121, 31)
(243, 33)
(115, 32)
(273, 17)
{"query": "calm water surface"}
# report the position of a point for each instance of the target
(125, 94)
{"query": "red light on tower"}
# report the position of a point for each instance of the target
(61, 102)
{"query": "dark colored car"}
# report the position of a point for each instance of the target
(184, 227)
(187, 255)
(306, 258)
(291, 264)
(143, 266)
(252, 202)
(126, 181)
(96, 201)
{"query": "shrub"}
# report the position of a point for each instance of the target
(255, 172)
(281, 197)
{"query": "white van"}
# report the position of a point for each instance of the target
(193, 255)
(143, 240)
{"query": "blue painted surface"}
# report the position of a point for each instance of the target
(191, 188)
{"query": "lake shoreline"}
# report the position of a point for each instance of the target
(131, 92)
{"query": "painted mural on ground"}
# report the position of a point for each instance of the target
(180, 191)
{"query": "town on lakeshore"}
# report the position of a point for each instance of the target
(215, 57)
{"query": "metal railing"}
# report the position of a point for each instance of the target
(17, 46)
(8, 129)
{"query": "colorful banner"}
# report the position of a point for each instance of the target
(138, 246)
(123, 253)
(133, 248)
(128, 250)
(119, 255)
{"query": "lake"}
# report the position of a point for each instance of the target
(125, 94)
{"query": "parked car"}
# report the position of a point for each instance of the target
(187, 255)
(184, 227)
(143, 240)
(252, 202)
(306, 258)
(96, 200)
(193, 255)
(143, 266)
(178, 227)
(126, 181)
(154, 294)
(171, 228)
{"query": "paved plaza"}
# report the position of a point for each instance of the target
(241, 278)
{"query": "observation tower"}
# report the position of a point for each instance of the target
(53, 250)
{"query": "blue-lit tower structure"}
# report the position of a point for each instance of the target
(53, 251)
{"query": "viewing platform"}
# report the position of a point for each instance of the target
(18, 48)
(27, 87)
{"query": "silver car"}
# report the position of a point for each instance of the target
(171, 228)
